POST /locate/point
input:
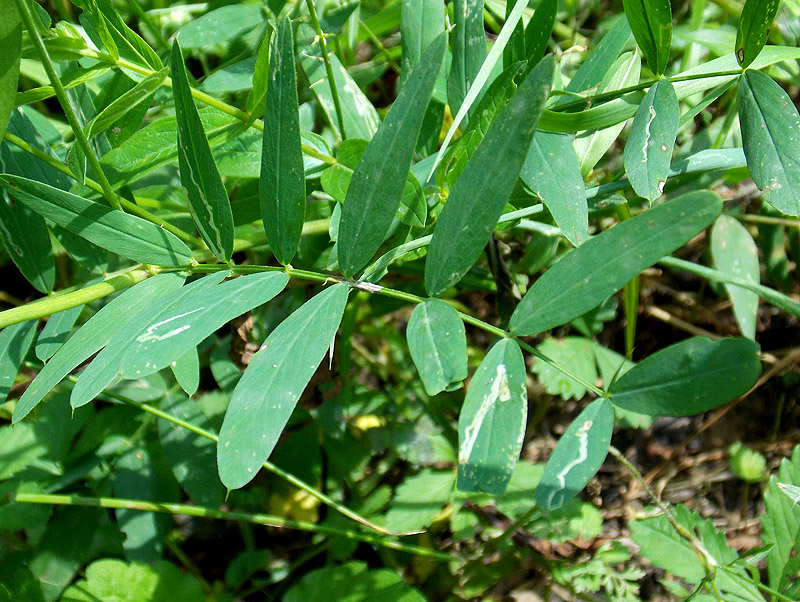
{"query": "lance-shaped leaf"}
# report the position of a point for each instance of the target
(735, 254)
(421, 22)
(129, 44)
(220, 25)
(115, 231)
(255, 99)
(93, 336)
(481, 191)
(690, 377)
(468, 41)
(577, 457)
(438, 345)
(648, 152)
(11, 43)
(15, 341)
(379, 178)
(55, 332)
(590, 274)
(552, 171)
(771, 139)
(208, 199)
(282, 188)
(491, 426)
(651, 24)
(267, 394)
(539, 30)
(26, 240)
(754, 25)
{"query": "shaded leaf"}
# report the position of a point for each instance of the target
(781, 523)
(419, 500)
(55, 332)
(352, 582)
(588, 275)
(771, 139)
(577, 456)
(690, 377)
(11, 43)
(539, 30)
(651, 24)
(118, 232)
(576, 354)
(755, 23)
(258, 92)
(438, 345)
(26, 240)
(186, 370)
(480, 193)
(648, 151)
(468, 42)
(15, 341)
(267, 394)
(125, 103)
(491, 426)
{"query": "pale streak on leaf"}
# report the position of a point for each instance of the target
(583, 455)
(150, 335)
(500, 391)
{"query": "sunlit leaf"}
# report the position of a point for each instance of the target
(651, 24)
(468, 42)
(755, 23)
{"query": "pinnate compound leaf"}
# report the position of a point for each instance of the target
(770, 127)
(590, 274)
(438, 345)
(376, 188)
(781, 523)
(688, 378)
(578, 455)
(11, 43)
(481, 191)
(208, 199)
(93, 336)
(282, 188)
(552, 171)
(491, 426)
(651, 24)
(735, 254)
(648, 152)
(754, 25)
(123, 234)
(267, 394)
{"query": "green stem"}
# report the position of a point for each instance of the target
(383, 50)
(66, 105)
(323, 46)
(245, 517)
(631, 297)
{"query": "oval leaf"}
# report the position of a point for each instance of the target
(689, 378)
(648, 152)
(220, 25)
(267, 394)
(754, 25)
(578, 456)
(491, 426)
(11, 43)
(651, 24)
(735, 254)
(208, 199)
(771, 139)
(115, 231)
(379, 178)
(590, 274)
(438, 345)
(282, 188)
(552, 171)
(481, 191)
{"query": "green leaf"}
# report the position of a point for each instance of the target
(577, 457)
(576, 354)
(375, 191)
(235, 77)
(735, 253)
(124, 103)
(590, 274)
(26, 240)
(208, 199)
(93, 336)
(221, 25)
(492, 421)
(255, 99)
(11, 43)
(118, 232)
(419, 500)
(438, 345)
(421, 22)
(112, 580)
(754, 25)
(15, 341)
(746, 463)
(539, 30)
(55, 332)
(352, 582)
(688, 378)
(651, 24)
(282, 188)
(552, 171)
(192, 459)
(648, 151)
(468, 42)
(480, 193)
(186, 370)
(781, 524)
(267, 394)
(771, 139)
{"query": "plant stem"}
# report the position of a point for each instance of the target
(323, 46)
(245, 517)
(66, 105)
